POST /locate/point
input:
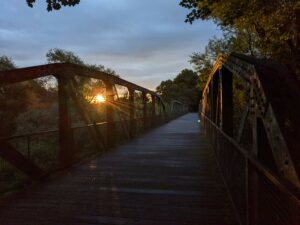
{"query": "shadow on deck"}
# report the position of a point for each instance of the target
(168, 176)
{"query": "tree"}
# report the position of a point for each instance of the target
(182, 88)
(55, 4)
(203, 61)
(6, 63)
(13, 100)
(87, 88)
(57, 55)
(271, 26)
(18, 98)
(86, 85)
(166, 90)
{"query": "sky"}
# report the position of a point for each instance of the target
(144, 41)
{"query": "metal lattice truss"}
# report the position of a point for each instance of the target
(272, 96)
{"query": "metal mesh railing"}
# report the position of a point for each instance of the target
(42, 148)
(259, 196)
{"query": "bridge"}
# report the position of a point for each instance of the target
(151, 163)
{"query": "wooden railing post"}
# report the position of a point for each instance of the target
(66, 154)
(132, 121)
(111, 128)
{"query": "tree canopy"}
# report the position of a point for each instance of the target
(203, 61)
(6, 63)
(270, 27)
(17, 98)
(57, 55)
(55, 4)
(183, 88)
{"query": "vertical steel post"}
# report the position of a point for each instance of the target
(66, 155)
(215, 99)
(145, 114)
(132, 121)
(227, 102)
(153, 119)
(111, 127)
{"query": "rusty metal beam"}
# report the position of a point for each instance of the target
(110, 112)
(29, 73)
(274, 97)
(66, 153)
(95, 132)
(132, 121)
(66, 69)
(11, 155)
(227, 102)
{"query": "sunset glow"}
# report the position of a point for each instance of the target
(99, 99)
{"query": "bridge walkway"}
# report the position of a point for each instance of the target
(168, 176)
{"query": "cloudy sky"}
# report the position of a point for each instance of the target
(143, 41)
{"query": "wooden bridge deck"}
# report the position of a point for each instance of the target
(168, 176)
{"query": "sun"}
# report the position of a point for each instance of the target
(99, 99)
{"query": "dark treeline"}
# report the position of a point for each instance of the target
(184, 87)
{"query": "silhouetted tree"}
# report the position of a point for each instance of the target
(57, 55)
(271, 27)
(55, 4)
(19, 98)
(183, 87)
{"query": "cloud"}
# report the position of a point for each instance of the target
(144, 41)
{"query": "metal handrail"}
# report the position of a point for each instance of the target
(288, 188)
(49, 131)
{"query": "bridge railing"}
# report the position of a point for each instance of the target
(36, 154)
(259, 196)
(262, 177)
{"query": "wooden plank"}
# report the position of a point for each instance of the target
(166, 177)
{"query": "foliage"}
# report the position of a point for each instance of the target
(11, 101)
(57, 55)
(86, 86)
(203, 61)
(270, 26)
(55, 4)
(103, 69)
(6, 63)
(18, 98)
(182, 88)
(38, 119)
